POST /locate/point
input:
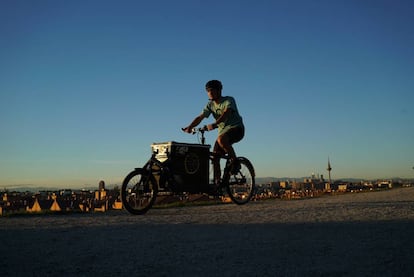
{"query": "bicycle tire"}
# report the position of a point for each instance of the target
(241, 185)
(139, 191)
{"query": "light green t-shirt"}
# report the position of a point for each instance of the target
(233, 119)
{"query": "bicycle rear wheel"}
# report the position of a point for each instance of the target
(139, 191)
(241, 186)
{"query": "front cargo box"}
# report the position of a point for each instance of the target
(189, 164)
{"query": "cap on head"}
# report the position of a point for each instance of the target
(214, 84)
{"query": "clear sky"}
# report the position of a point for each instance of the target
(87, 86)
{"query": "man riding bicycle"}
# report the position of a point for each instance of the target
(228, 121)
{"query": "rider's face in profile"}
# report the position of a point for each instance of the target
(213, 94)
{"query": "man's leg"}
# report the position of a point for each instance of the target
(226, 145)
(224, 142)
(217, 153)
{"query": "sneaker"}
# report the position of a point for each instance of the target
(235, 167)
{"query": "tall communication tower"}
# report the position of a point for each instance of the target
(329, 170)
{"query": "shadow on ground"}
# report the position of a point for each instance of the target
(308, 249)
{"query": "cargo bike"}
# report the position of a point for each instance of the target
(181, 169)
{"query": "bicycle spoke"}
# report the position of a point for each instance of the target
(138, 192)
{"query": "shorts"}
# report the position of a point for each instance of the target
(235, 134)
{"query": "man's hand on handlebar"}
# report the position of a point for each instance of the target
(187, 130)
(202, 129)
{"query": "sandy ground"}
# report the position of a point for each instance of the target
(364, 234)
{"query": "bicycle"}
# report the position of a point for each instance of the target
(183, 168)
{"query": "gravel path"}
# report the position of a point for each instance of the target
(364, 234)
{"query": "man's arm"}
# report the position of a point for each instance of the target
(220, 119)
(194, 123)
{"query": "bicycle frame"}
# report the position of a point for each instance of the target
(166, 175)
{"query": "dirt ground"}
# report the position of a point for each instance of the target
(363, 234)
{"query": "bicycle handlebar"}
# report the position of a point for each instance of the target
(199, 130)
(196, 130)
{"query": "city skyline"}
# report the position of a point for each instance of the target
(260, 180)
(87, 86)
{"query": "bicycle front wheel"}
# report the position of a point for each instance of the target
(139, 191)
(241, 185)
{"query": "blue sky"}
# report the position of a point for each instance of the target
(87, 86)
